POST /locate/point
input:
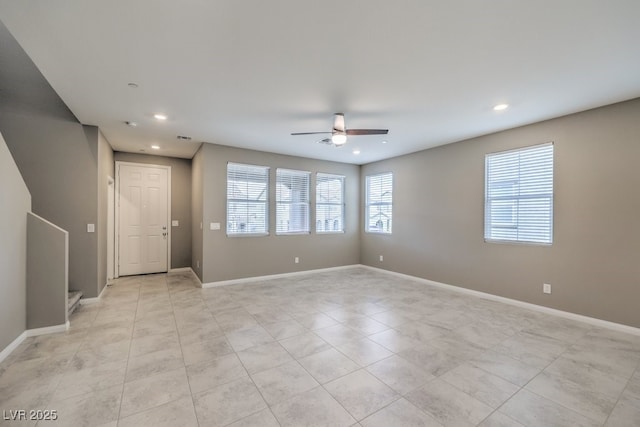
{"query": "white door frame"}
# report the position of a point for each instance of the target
(111, 234)
(117, 208)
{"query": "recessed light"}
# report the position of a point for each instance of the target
(160, 116)
(356, 151)
(155, 147)
(132, 124)
(501, 107)
(132, 85)
(384, 142)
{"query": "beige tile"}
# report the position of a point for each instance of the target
(498, 419)
(328, 365)
(154, 363)
(83, 381)
(177, 413)
(487, 388)
(626, 412)
(529, 409)
(227, 403)
(364, 351)
(393, 340)
(399, 374)
(315, 407)
(247, 338)
(152, 343)
(508, 368)
(215, 372)
(449, 405)
(284, 329)
(262, 418)
(205, 349)
(534, 350)
(361, 393)
(588, 402)
(262, 357)
(400, 413)
(431, 359)
(338, 334)
(154, 391)
(283, 382)
(304, 345)
(95, 408)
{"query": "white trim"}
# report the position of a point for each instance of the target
(14, 344)
(32, 333)
(87, 301)
(181, 269)
(47, 330)
(535, 307)
(274, 276)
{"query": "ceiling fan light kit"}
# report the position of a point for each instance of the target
(339, 133)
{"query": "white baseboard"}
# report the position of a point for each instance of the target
(87, 301)
(178, 270)
(47, 330)
(31, 333)
(11, 347)
(535, 307)
(274, 276)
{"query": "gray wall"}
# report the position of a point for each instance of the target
(226, 258)
(16, 202)
(47, 274)
(196, 212)
(57, 160)
(105, 170)
(56, 156)
(180, 202)
(593, 263)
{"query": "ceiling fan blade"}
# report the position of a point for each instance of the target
(326, 141)
(309, 133)
(338, 122)
(367, 131)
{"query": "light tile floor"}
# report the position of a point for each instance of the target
(342, 348)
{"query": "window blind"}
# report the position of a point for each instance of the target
(247, 199)
(519, 195)
(292, 201)
(329, 203)
(379, 203)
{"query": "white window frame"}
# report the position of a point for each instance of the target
(232, 231)
(320, 177)
(520, 183)
(282, 177)
(369, 204)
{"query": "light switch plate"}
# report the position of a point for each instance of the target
(214, 226)
(175, 223)
(91, 228)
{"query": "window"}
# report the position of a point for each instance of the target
(329, 203)
(379, 191)
(292, 201)
(247, 194)
(519, 195)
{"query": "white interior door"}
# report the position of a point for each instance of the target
(143, 219)
(110, 229)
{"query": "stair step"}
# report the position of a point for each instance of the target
(73, 300)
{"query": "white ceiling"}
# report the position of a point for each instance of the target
(247, 74)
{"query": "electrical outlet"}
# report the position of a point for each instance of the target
(381, 258)
(296, 260)
(546, 288)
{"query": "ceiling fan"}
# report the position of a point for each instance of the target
(340, 132)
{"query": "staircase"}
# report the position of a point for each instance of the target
(73, 300)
